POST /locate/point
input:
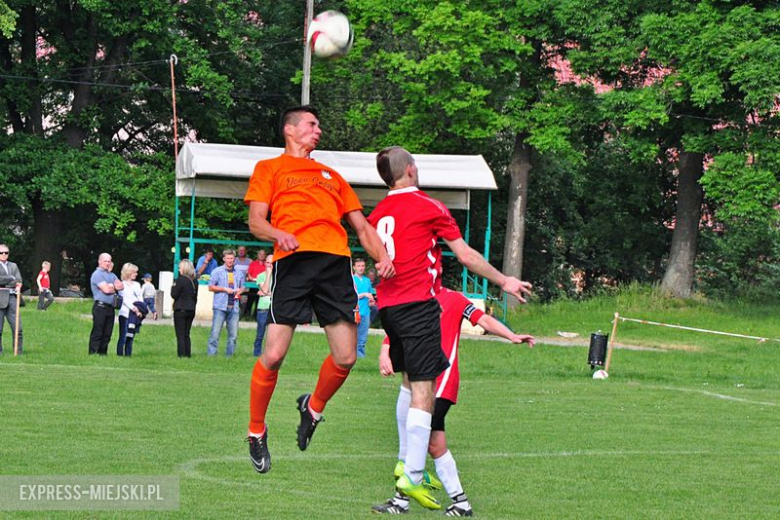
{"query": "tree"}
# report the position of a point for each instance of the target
(703, 71)
(466, 77)
(84, 73)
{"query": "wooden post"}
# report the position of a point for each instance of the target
(16, 325)
(611, 343)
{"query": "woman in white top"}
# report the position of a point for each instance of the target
(130, 294)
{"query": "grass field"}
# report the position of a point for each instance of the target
(691, 431)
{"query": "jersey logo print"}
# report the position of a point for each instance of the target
(326, 174)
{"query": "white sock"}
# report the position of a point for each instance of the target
(258, 435)
(401, 500)
(418, 433)
(401, 412)
(447, 471)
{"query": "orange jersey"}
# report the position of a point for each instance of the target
(306, 199)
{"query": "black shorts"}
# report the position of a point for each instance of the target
(439, 413)
(414, 330)
(308, 281)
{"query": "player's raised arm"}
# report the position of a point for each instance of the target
(373, 245)
(493, 326)
(262, 229)
(476, 263)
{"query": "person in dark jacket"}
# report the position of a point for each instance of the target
(185, 297)
(133, 327)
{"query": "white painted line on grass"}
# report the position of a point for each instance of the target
(717, 395)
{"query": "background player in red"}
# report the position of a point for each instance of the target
(455, 308)
(312, 270)
(409, 223)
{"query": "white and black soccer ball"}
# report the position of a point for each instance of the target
(330, 35)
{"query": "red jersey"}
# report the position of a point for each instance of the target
(255, 268)
(455, 308)
(45, 283)
(409, 222)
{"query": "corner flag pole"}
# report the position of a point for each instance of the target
(611, 342)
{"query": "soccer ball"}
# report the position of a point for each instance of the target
(330, 35)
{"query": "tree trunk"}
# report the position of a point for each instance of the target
(678, 278)
(519, 167)
(47, 243)
(29, 24)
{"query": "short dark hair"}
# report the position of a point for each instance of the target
(392, 162)
(292, 115)
(358, 259)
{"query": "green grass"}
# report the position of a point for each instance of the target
(671, 434)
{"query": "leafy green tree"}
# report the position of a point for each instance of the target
(459, 77)
(7, 19)
(700, 74)
(86, 77)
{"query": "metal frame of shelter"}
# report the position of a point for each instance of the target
(223, 171)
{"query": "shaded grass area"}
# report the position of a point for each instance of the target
(670, 435)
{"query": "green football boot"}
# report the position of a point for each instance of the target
(429, 480)
(419, 492)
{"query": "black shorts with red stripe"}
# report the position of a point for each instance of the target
(414, 330)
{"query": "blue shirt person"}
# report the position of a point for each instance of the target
(365, 298)
(227, 284)
(104, 285)
(206, 264)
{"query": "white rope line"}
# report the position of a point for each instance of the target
(647, 322)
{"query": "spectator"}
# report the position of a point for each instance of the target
(105, 286)
(185, 298)
(45, 297)
(242, 264)
(256, 268)
(371, 273)
(365, 298)
(134, 321)
(206, 263)
(10, 286)
(242, 261)
(228, 284)
(150, 293)
(263, 303)
(131, 294)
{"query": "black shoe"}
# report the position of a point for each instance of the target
(398, 505)
(308, 423)
(258, 452)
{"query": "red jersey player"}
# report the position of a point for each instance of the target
(409, 222)
(455, 308)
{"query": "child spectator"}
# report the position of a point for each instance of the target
(150, 292)
(365, 299)
(45, 297)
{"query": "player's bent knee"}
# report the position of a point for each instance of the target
(272, 361)
(346, 362)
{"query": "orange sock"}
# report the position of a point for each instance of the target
(331, 378)
(261, 389)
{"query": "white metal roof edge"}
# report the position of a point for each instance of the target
(470, 172)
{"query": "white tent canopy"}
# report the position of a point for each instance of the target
(223, 171)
